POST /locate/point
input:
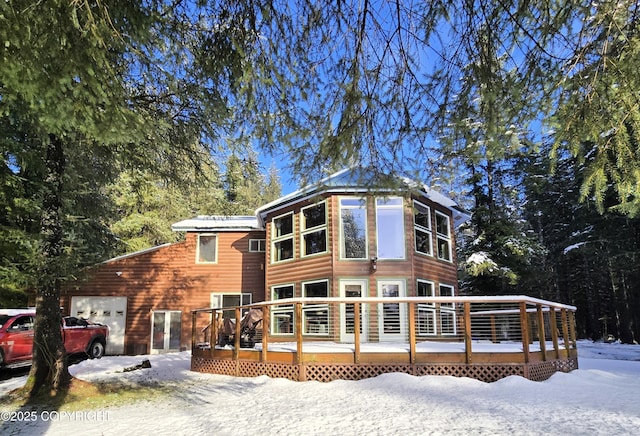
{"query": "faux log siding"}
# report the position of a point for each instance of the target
(168, 278)
(329, 266)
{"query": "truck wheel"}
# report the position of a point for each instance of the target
(96, 350)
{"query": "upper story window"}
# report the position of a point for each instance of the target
(313, 228)
(282, 238)
(443, 236)
(422, 228)
(256, 245)
(353, 226)
(207, 249)
(390, 228)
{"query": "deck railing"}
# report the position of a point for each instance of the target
(467, 326)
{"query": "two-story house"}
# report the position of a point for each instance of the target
(351, 235)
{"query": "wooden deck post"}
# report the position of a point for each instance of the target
(193, 330)
(266, 323)
(553, 320)
(356, 333)
(565, 329)
(524, 329)
(236, 339)
(572, 329)
(541, 334)
(213, 329)
(298, 329)
(467, 332)
(412, 333)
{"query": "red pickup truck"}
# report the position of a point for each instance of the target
(16, 337)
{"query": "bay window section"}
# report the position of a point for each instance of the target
(390, 228)
(282, 315)
(422, 228)
(353, 225)
(315, 317)
(282, 238)
(426, 316)
(314, 229)
(447, 312)
(443, 236)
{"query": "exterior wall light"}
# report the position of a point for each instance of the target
(374, 263)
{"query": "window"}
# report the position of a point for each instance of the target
(315, 317)
(443, 236)
(426, 317)
(314, 229)
(390, 228)
(256, 245)
(422, 227)
(230, 300)
(23, 323)
(447, 312)
(353, 223)
(282, 316)
(282, 238)
(207, 249)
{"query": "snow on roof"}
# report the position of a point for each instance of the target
(136, 253)
(358, 179)
(217, 223)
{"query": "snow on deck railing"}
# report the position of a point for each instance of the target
(532, 322)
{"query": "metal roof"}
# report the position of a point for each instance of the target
(218, 223)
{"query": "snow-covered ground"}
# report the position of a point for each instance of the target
(602, 397)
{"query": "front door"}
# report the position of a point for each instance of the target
(165, 331)
(392, 317)
(353, 289)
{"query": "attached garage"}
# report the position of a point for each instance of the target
(111, 311)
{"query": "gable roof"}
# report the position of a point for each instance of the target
(362, 180)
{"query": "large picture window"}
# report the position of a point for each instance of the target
(422, 228)
(353, 224)
(426, 316)
(282, 315)
(282, 237)
(315, 317)
(314, 229)
(443, 236)
(390, 228)
(207, 249)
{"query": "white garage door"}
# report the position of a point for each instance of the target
(111, 311)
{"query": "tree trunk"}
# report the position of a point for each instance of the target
(49, 366)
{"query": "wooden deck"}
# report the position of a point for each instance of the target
(493, 337)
